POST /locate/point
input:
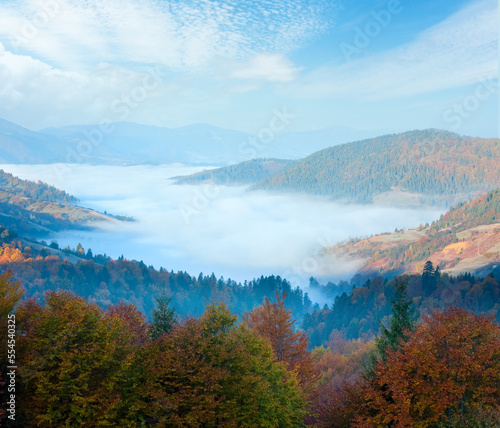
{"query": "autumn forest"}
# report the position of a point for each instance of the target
(249, 214)
(96, 341)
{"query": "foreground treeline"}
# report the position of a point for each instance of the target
(80, 365)
(442, 371)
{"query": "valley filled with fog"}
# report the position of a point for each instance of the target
(233, 232)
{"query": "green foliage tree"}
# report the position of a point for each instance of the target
(212, 372)
(72, 362)
(164, 317)
(10, 294)
(402, 321)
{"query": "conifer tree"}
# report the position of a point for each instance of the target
(428, 278)
(164, 317)
(402, 321)
(437, 274)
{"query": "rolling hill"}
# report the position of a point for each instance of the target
(19, 145)
(247, 172)
(36, 208)
(437, 166)
(465, 239)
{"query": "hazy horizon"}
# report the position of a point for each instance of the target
(285, 132)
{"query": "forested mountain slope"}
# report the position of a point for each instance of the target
(358, 313)
(31, 208)
(247, 172)
(102, 280)
(465, 239)
(30, 189)
(438, 165)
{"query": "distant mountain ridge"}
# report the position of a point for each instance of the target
(20, 145)
(125, 143)
(130, 143)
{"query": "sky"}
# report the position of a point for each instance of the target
(375, 65)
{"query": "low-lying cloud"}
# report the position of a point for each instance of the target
(230, 231)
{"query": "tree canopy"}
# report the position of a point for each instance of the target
(448, 371)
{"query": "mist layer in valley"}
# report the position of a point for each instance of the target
(233, 232)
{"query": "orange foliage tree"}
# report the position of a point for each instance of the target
(336, 399)
(133, 320)
(273, 322)
(447, 372)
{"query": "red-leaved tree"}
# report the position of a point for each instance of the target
(447, 372)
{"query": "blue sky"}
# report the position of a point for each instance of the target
(375, 65)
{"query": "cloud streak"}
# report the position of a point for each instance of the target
(461, 50)
(265, 67)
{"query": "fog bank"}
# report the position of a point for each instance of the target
(230, 231)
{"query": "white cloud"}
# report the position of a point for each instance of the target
(77, 58)
(44, 95)
(180, 35)
(266, 67)
(460, 50)
(36, 94)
